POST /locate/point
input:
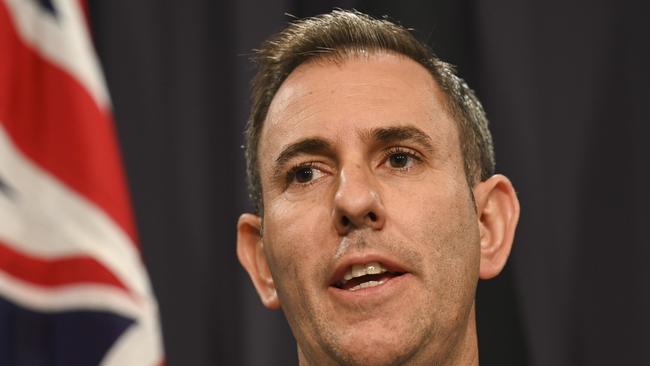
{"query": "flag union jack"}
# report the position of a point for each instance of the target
(73, 287)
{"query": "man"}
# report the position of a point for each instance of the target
(372, 172)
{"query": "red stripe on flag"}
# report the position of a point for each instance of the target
(56, 272)
(56, 123)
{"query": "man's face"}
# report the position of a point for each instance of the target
(362, 177)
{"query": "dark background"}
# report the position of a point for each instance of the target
(565, 85)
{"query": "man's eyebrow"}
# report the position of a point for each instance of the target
(402, 133)
(310, 145)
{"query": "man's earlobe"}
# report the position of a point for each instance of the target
(498, 214)
(250, 251)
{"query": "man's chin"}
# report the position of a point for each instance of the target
(373, 346)
(381, 330)
(373, 356)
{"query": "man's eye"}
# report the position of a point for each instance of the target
(304, 174)
(399, 160)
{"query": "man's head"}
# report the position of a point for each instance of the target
(371, 167)
(339, 35)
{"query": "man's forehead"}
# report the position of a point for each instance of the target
(356, 72)
(365, 92)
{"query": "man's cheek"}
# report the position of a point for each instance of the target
(456, 272)
(286, 259)
(279, 258)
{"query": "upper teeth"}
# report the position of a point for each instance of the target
(358, 270)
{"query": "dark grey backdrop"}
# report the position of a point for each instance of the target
(565, 85)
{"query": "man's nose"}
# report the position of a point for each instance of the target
(357, 202)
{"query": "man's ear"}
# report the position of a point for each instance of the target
(498, 214)
(250, 251)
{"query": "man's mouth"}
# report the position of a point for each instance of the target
(360, 276)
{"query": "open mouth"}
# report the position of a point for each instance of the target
(360, 276)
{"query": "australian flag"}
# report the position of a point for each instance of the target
(73, 288)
